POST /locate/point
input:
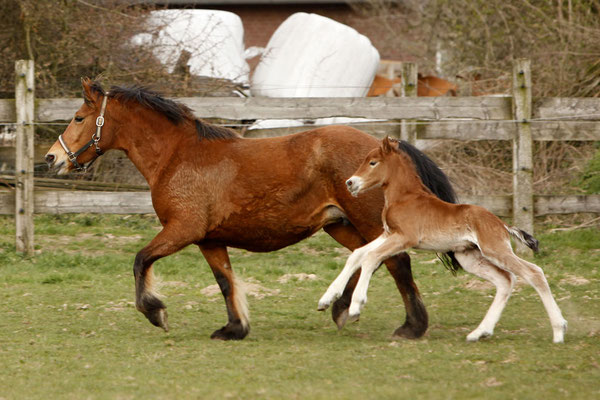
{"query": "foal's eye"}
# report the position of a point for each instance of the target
(78, 119)
(373, 163)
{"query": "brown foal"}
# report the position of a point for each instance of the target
(414, 218)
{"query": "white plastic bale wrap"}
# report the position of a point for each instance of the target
(313, 56)
(214, 40)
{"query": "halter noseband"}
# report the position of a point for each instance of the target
(93, 142)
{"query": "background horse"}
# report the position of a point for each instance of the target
(414, 218)
(216, 190)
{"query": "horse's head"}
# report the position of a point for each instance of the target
(373, 171)
(87, 134)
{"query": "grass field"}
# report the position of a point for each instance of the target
(69, 328)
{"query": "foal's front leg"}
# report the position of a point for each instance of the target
(353, 263)
(168, 241)
(390, 246)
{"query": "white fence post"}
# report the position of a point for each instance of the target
(24, 104)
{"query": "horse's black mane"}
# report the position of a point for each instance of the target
(175, 112)
(434, 178)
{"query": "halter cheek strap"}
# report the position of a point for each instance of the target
(96, 136)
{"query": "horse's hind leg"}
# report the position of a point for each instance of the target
(237, 308)
(503, 256)
(472, 261)
(147, 301)
(417, 319)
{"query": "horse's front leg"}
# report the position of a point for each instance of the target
(147, 300)
(235, 299)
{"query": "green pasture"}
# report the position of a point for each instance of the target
(69, 329)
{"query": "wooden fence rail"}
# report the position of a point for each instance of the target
(518, 118)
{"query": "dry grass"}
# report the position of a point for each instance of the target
(485, 167)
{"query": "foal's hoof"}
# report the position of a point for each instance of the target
(476, 335)
(158, 317)
(231, 331)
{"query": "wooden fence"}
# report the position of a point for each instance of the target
(517, 118)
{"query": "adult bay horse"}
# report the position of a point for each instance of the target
(214, 189)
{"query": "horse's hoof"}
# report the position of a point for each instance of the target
(158, 317)
(341, 320)
(407, 331)
(339, 312)
(231, 331)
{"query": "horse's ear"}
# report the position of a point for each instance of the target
(387, 145)
(88, 95)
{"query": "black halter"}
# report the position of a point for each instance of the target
(93, 142)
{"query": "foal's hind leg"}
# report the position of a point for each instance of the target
(235, 299)
(472, 261)
(167, 242)
(503, 256)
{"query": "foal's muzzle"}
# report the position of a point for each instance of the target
(353, 184)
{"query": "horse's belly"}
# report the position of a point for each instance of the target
(269, 232)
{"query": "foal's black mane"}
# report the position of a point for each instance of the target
(172, 110)
(434, 178)
(431, 175)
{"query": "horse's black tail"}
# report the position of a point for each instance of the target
(439, 184)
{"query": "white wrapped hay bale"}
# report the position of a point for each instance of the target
(313, 56)
(210, 42)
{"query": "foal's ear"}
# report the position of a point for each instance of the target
(387, 145)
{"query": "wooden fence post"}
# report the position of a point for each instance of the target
(522, 147)
(24, 103)
(408, 131)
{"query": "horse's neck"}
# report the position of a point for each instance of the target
(150, 145)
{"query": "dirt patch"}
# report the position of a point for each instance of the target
(574, 280)
(299, 277)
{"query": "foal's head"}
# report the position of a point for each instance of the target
(374, 169)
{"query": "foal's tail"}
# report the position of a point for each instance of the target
(524, 237)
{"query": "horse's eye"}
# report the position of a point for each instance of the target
(78, 119)
(373, 163)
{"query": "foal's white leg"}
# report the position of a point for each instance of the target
(539, 282)
(472, 261)
(534, 275)
(391, 246)
(353, 263)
